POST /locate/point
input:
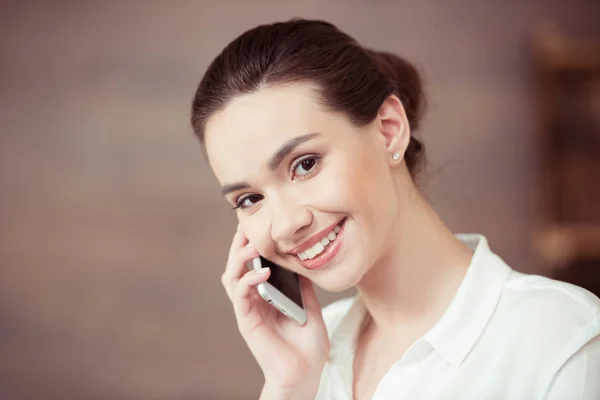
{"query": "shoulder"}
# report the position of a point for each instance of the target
(334, 313)
(549, 315)
(552, 299)
(556, 327)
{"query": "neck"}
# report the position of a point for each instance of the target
(415, 281)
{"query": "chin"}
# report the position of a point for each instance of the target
(337, 282)
(332, 287)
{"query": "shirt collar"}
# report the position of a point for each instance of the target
(469, 312)
(463, 322)
(344, 337)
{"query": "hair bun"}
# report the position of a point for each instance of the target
(406, 80)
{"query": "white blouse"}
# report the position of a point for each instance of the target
(505, 335)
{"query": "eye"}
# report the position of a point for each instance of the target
(248, 201)
(305, 166)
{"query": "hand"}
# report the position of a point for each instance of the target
(290, 356)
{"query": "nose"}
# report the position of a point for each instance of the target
(288, 217)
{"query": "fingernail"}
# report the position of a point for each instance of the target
(262, 270)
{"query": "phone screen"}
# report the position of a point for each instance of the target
(284, 280)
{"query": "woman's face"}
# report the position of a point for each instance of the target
(295, 171)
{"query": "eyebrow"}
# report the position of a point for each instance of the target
(274, 162)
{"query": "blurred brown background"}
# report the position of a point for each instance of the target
(113, 234)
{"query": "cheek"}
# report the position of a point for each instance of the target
(335, 196)
(365, 190)
(359, 185)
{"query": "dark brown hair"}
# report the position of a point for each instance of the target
(350, 78)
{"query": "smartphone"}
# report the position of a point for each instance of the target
(281, 290)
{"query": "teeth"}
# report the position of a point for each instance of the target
(320, 246)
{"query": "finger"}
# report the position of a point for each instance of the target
(311, 303)
(242, 303)
(236, 268)
(239, 240)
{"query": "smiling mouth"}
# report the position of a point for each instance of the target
(322, 245)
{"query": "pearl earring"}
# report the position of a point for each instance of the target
(396, 156)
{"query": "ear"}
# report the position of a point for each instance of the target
(394, 128)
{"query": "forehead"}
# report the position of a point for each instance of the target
(243, 135)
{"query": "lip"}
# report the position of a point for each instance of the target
(328, 254)
(314, 239)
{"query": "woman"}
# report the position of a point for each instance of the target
(308, 131)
